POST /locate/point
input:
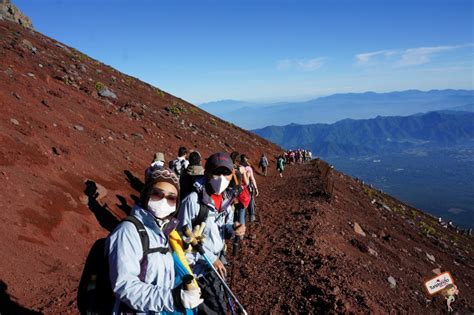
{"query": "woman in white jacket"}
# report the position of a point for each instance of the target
(145, 282)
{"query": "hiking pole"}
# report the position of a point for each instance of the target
(235, 245)
(236, 240)
(231, 304)
(198, 246)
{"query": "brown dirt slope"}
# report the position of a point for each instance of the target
(57, 132)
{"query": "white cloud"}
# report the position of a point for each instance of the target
(301, 64)
(365, 58)
(404, 57)
(284, 64)
(421, 55)
(311, 64)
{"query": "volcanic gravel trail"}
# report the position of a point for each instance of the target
(273, 263)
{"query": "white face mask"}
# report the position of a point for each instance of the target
(219, 184)
(160, 208)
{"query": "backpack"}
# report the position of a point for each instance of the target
(177, 166)
(95, 295)
(186, 184)
(242, 191)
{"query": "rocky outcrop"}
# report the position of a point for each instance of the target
(9, 11)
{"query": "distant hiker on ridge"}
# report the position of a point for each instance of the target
(157, 163)
(280, 165)
(263, 164)
(193, 173)
(180, 164)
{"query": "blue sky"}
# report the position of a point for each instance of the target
(270, 50)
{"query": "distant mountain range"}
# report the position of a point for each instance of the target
(336, 107)
(424, 159)
(380, 135)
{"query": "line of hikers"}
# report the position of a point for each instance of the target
(297, 156)
(167, 256)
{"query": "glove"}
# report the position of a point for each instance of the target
(196, 236)
(191, 298)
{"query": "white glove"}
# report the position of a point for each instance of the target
(191, 298)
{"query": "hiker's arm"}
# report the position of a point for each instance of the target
(254, 182)
(124, 255)
(188, 211)
(229, 223)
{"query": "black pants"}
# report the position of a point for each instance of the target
(213, 294)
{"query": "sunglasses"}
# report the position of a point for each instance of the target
(221, 171)
(160, 194)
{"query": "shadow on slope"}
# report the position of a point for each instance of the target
(9, 306)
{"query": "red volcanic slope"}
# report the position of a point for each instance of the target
(301, 256)
(56, 132)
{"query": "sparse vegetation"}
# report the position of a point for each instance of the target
(80, 57)
(213, 122)
(426, 228)
(128, 81)
(370, 192)
(99, 86)
(160, 92)
(399, 210)
(176, 109)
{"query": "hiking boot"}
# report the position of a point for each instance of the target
(252, 218)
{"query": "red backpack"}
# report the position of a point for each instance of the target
(244, 196)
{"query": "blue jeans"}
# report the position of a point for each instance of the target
(251, 206)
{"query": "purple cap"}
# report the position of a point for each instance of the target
(220, 159)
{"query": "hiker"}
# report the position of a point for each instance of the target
(280, 165)
(145, 282)
(292, 157)
(210, 204)
(157, 163)
(244, 161)
(263, 164)
(193, 173)
(240, 182)
(180, 164)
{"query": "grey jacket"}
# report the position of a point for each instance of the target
(124, 254)
(218, 225)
